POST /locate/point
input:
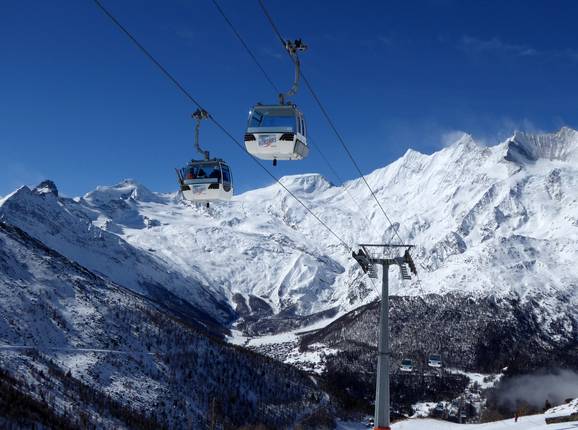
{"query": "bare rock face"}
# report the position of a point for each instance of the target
(46, 187)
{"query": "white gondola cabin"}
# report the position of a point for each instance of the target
(434, 360)
(206, 181)
(406, 365)
(276, 132)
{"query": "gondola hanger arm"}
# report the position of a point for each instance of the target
(199, 115)
(293, 48)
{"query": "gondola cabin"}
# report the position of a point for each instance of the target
(276, 132)
(434, 360)
(206, 181)
(406, 365)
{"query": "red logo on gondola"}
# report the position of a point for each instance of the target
(267, 140)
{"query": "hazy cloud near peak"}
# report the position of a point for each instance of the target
(14, 174)
(450, 137)
(277, 55)
(495, 45)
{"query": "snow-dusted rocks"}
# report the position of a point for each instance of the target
(561, 146)
(563, 413)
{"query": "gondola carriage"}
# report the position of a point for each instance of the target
(208, 180)
(278, 131)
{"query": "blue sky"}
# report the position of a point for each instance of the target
(80, 105)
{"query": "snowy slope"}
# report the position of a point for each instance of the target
(93, 351)
(565, 410)
(500, 220)
(65, 226)
(532, 422)
(248, 246)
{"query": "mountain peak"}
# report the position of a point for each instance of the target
(561, 145)
(124, 190)
(307, 182)
(411, 154)
(565, 130)
(465, 139)
(46, 187)
(464, 142)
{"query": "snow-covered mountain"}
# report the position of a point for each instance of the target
(78, 351)
(69, 228)
(496, 235)
(499, 220)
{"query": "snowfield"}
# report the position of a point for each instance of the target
(532, 422)
(563, 410)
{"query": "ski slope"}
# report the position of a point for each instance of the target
(533, 422)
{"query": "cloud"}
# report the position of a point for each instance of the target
(524, 124)
(535, 389)
(387, 41)
(571, 54)
(429, 134)
(473, 45)
(495, 46)
(450, 137)
(490, 131)
(15, 174)
(273, 53)
(377, 44)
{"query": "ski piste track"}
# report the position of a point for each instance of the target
(531, 422)
(73, 350)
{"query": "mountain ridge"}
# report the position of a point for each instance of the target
(483, 225)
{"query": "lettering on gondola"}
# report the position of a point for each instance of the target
(267, 140)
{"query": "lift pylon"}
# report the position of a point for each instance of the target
(368, 257)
